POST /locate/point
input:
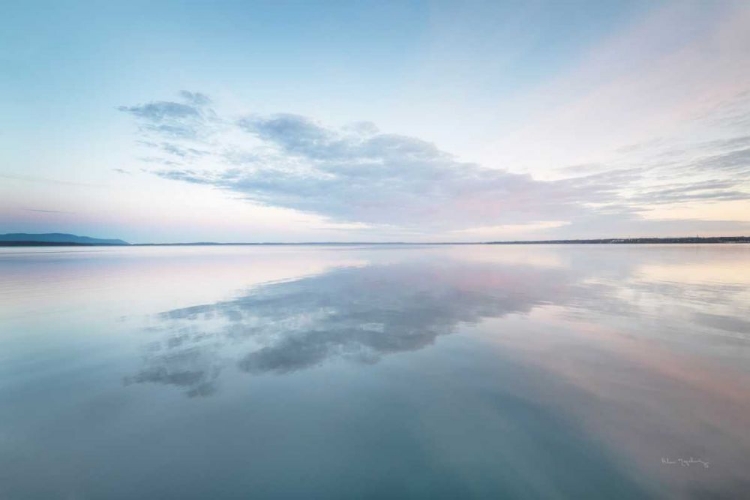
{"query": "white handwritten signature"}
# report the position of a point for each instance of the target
(685, 462)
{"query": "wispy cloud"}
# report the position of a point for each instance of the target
(45, 180)
(47, 211)
(175, 120)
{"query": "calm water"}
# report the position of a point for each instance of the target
(375, 372)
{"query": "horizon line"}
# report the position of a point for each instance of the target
(629, 240)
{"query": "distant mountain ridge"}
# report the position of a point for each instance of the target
(54, 239)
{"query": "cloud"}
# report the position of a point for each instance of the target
(45, 180)
(706, 191)
(731, 113)
(357, 174)
(195, 98)
(189, 119)
(733, 161)
(47, 211)
(702, 172)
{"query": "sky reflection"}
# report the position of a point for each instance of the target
(444, 372)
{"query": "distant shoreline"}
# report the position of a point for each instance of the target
(601, 241)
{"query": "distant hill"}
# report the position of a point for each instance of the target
(25, 239)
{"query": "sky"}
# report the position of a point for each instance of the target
(290, 121)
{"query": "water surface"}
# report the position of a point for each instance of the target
(375, 372)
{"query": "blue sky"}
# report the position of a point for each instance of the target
(311, 121)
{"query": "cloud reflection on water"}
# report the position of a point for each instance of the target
(577, 323)
(571, 373)
(359, 314)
